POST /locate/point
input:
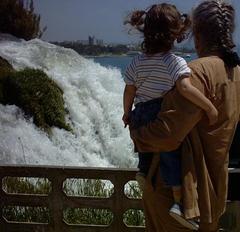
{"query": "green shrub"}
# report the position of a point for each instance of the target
(26, 185)
(17, 17)
(88, 216)
(21, 185)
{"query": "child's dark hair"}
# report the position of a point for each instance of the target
(161, 25)
(213, 21)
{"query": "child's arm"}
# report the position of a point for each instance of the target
(128, 98)
(186, 89)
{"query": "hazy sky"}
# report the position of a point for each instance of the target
(76, 19)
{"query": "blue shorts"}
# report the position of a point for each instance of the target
(145, 112)
(170, 162)
(170, 167)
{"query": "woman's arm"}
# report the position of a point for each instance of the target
(128, 98)
(176, 119)
(186, 89)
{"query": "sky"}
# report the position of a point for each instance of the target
(77, 19)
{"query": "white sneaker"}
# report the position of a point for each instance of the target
(177, 214)
(141, 179)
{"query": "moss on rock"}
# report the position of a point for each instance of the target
(5, 64)
(39, 96)
(5, 69)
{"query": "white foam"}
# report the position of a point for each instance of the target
(93, 96)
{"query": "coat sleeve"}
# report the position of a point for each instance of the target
(177, 118)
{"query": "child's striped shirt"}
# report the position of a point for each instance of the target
(154, 75)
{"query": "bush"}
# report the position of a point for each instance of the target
(37, 95)
(17, 17)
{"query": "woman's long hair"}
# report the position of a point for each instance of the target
(213, 21)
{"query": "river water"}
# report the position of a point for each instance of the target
(121, 62)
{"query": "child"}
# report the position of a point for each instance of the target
(149, 77)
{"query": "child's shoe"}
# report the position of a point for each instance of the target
(177, 214)
(141, 178)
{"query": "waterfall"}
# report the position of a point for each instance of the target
(93, 97)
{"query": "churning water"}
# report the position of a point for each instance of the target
(93, 97)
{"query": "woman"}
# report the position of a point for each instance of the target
(205, 147)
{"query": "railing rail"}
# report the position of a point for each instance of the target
(57, 200)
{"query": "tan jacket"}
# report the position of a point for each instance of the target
(204, 147)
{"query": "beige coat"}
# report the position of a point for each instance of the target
(204, 147)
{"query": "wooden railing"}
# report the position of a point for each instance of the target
(56, 201)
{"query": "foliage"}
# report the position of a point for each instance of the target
(23, 185)
(26, 185)
(27, 214)
(17, 17)
(88, 216)
(94, 50)
(34, 92)
(100, 188)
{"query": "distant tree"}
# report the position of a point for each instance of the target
(17, 17)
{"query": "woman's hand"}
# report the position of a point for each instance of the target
(212, 115)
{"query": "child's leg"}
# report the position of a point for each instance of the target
(177, 194)
(170, 166)
(140, 116)
(145, 160)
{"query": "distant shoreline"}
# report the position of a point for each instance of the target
(107, 56)
(182, 54)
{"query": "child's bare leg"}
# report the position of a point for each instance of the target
(177, 194)
(144, 166)
(176, 210)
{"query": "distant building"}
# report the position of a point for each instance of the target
(99, 42)
(91, 40)
(83, 42)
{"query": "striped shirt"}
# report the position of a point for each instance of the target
(154, 75)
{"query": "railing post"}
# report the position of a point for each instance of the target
(56, 204)
(118, 209)
(1, 205)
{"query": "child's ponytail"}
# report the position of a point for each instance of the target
(136, 19)
(161, 25)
